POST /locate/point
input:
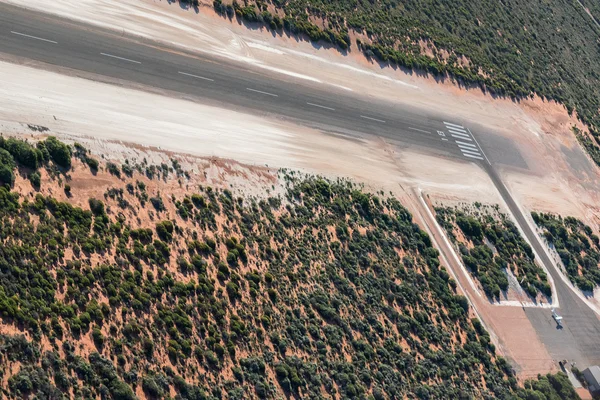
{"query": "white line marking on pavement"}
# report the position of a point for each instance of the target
(449, 124)
(444, 139)
(451, 129)
(320, 106)
(373, 119)
(461, 137)
(458, 142)
(120, 58)
(418, 130)
(261, 92)
(486, 159)
(33, 37)
(459, 133)
(470, 156)
(464, 151)
(196, 76)
(462, 146)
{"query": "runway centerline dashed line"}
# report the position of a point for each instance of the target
(320, 106)
(196, 76)
(121, 58)
(261, 92)
(418, 130)
(33, 37)
(373, 119)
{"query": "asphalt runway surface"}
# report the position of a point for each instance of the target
(212, 80)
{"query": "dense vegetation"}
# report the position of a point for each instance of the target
(513, 48)
(577, 246)
(326, 292)
(593, 7)
(489, 244)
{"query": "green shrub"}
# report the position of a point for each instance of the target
(36, 179)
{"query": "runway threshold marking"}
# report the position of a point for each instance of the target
(33, 37)
(373, 119)
(459, 143)
(320, 106)
(455, 125)
(196, 76)
(469, 150)
(470, 156)
(121, 58)
(261, 92)
(486, 159)
(461, 137)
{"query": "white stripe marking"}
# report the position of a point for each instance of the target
(460, 134)
(120, 58)
(261, 92)
(449, 124)
(320, 106)
(451, 129)
(486, 158)
(372, 119)
(458, 142)
(33, 37)
(463, 148)
(196, 76)
(455, 129)
(418, 130)
(461, 137)
(464, 151)
(467, 155)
